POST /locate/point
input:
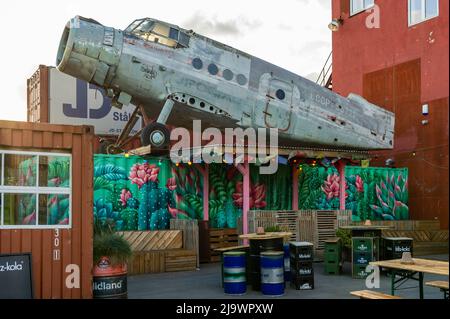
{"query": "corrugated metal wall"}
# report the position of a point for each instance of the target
(75, 244)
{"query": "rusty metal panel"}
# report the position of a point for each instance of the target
(421, 148)
(74, 245)
(407, 82)
(37, 96)
(378, 88)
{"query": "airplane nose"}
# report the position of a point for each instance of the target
(89, 51)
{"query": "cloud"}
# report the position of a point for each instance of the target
(311, 48)
(214, 26)
(323, 3)
(312, 76)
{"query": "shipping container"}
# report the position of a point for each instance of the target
(46, 195)
(57, 98)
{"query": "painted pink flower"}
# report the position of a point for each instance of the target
(257, 195)
(124, 196)
(140, 174)
(154, 175)
(359, 184)
(171, 184)
(331, 186)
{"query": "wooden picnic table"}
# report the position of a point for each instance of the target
(271, 235)
(408, 271)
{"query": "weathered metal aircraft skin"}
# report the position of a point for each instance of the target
(153, 63)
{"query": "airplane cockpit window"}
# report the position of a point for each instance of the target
(159, 32)
(132, 26)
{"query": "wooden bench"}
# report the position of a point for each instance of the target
(369, 294)
(443, 285)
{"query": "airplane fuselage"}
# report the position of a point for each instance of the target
(222, 86)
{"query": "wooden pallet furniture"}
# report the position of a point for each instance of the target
(221, 238)
(284, 219)
(442, 285)
(159, 251)
(153, 240)
(190, 234)
(370, 294)
(317, 226)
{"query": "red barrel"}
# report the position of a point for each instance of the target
(109, 282)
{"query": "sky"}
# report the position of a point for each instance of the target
(292, 34)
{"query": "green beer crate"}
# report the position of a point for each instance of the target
(359, 272)
(333, 245)
(331, 257)
(363, 244)
(332, 267)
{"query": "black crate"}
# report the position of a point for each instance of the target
(394, 247)
(302, 282)
(301, 251)
(302, 269)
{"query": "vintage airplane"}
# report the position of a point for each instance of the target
(176, 75)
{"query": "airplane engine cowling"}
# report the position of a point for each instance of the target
(89, 51)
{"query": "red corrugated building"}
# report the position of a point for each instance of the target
(395, 53)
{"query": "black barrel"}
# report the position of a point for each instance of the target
(257, 246)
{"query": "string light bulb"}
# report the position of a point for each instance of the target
(126, 155)
(189, 163)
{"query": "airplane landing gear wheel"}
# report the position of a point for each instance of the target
(155, 134)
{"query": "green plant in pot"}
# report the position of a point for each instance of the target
(111, 255)
(346, 239)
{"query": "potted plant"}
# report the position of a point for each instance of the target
(111, 254)
(346, 240)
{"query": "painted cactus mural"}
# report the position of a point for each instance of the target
(143, 194)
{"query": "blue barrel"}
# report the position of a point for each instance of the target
(272, 273)
(234, 280)
(287, 263)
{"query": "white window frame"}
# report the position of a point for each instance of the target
(365, 7)
(34, 190)
(423, 13)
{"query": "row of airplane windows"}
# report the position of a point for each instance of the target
(227, 74)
